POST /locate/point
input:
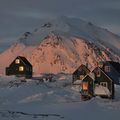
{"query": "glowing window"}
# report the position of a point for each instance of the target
(85, 85)
(21, 68)
(81, 77)
(17, 61)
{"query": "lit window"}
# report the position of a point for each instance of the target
(21, 68)
(17, 61)
(107, 68)
(85, 86)
(98, 73)
(81, 77)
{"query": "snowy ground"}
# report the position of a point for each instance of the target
(52, 101)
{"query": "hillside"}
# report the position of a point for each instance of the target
(61, 44)
(57, 100)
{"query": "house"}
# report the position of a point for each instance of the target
(87, 90)
(112, 69)
(79, 74)
(20, 67)
(103, 84)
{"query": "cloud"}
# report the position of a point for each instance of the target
(18, 16)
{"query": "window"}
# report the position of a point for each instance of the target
(81, 77)
(17, 61)
(104, 84)
(100, 64)
(21, 68)
(85, 86)
(107, 68)
(98, 73)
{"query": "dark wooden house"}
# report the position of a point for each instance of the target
(80, 73)
(104, 82)
(112, 69)
(87, 90)
(20, 67)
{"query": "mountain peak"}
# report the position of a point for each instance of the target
(61, 44)
(72, 27)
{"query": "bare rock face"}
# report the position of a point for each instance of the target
(62, 46)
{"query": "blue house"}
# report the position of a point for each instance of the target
(112, 69)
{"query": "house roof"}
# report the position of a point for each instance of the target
(25, 60)
(102, 72)
(81, 68)
(115, 65)
(87, 77)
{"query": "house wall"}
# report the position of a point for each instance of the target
(13, 69)
(90, 90)
(104, 78)
(113, 74)
(80, 71)
(28, 72)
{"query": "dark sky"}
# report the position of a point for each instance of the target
(18, 16)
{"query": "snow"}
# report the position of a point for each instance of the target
(58, 45)
(67, 26)
(101, 90)
(52, 101)
(78, 82)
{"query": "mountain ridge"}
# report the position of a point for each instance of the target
(62, 45)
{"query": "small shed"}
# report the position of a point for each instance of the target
(103, 82)
(20, 67)
(87, 90)
(79, 74)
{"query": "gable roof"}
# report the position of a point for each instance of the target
(115, 65)
(81, 68)
(103, 73)
(24, 60)
(88, 76)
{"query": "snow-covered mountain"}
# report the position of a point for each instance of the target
(61, 44)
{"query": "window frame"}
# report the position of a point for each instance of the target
(85, 86)
(21, 68)
(98, 73)
(107, 68)
(104, 84)
(17, 61)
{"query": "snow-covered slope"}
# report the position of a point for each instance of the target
(72, 27)
(10, 54)
(52, 101)
(61, 44)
